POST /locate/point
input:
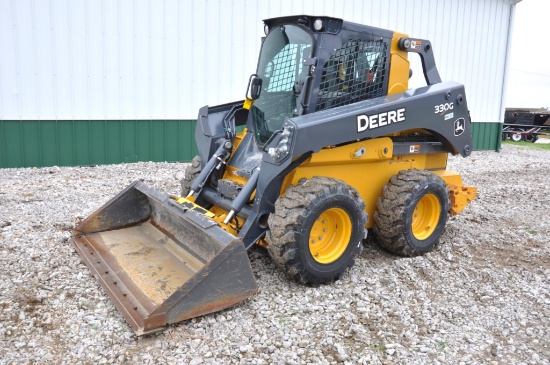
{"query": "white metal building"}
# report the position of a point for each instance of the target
(163, 59)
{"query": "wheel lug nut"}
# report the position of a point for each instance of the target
(324, 229)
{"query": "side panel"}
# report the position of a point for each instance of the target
(369, 173)
(440, 109)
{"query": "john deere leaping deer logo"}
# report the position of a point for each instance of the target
(460, 124)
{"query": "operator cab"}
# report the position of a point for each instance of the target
(309, 64)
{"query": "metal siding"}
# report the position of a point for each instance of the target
(78, 64)
(145, 62)
(83, 59)
(487, 136)
(36, 143)
(8, 64)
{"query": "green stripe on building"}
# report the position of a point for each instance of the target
(94, 142)
(29, 143)
(487, 136)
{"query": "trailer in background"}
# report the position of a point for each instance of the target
(526, 124)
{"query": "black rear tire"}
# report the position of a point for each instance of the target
(190, 175)
(412, 212)
(317, 230)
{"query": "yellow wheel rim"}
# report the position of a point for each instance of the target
(425, 216)
(330, 235)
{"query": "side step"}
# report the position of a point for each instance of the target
(160, 262)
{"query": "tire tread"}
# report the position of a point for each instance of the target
(291, 211)
(396, 197)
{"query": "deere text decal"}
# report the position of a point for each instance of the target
(365, 122)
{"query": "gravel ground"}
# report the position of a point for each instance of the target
(483, 296)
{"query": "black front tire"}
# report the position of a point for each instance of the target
(412, 212)
(317, 230)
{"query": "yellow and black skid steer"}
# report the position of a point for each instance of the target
(329, 142)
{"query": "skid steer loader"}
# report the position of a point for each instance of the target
(328, 143)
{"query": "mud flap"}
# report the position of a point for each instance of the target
(160, 262)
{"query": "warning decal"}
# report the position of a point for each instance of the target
(414, 148)
(416, 44)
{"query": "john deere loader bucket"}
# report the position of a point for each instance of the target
(161, 262)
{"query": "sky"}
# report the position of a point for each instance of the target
(529, 72)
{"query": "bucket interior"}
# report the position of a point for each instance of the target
(157, 261)
(154, 262)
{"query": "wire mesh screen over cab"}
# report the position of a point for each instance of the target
(283, 76)
(357, 71)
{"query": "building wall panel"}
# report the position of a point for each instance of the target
(130, 61)
(164, 59)
(37, 143)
